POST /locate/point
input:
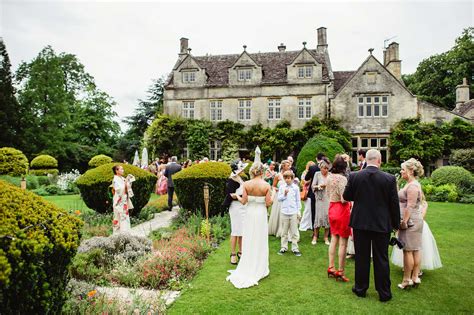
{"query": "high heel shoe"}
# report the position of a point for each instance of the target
(416, 282)
(314, 241)
(231, 259)
(239, 254)
(340, 276)
(331, 272)
(406, 284)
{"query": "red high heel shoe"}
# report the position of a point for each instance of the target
(340, 276)
(331, 272)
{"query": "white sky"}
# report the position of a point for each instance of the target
(126, 44)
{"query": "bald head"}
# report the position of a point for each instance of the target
(373, 157)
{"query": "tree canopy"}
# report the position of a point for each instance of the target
(436, 77)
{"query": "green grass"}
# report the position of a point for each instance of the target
(299, 285)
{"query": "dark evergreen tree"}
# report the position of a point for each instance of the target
(9, 107)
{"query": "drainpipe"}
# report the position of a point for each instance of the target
(328, 105)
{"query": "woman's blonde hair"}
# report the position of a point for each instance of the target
(256, 169)
(415, 166)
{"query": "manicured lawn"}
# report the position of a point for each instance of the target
(300, 285)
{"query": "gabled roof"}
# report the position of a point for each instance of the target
(464, 108)
(273, 66)
(340, 77)
(383, 67)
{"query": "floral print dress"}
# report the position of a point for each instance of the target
(121, 220)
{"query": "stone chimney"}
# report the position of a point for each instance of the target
(462, 93)
(391, 60)
(183, 51)
(281, 47)
(322, 39)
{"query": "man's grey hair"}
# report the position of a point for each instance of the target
(174, 159)
(373, 155)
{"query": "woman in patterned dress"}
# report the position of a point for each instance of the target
(121, 202)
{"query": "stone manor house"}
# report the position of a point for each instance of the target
(265, 88)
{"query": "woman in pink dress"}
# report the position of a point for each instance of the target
(339, 217)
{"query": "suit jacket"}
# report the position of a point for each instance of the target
(376, 207)
(309, 177)
(171, 169)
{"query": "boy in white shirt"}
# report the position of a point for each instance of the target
(289, 196)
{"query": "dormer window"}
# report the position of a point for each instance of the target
(189, 76)
(245, 74)
(305, 72)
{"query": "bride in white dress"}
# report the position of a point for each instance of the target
(253, 264)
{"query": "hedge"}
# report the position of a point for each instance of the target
(13, 162)
(456, 175)
(94, 187)
(317, 144)
(44, 162)
(99, 160)
(189, 184)
(44, 172)
(37, 243)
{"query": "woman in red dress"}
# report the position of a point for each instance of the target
(339, 216)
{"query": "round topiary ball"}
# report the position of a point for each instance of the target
(38, 241)
(457, 175)
(94, 186)
(44, 161)
(99, 160)
(13, 162)
(189, 185)
(315, 145)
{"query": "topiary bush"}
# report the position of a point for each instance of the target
(44, 162)
(456, 175)
(99, 160)
(94, 187)
(44, 172)
(37, 243)
(13, 162)
(43, 165)
(447, 192)
(314, 146)
(189, 185)
(463, 158)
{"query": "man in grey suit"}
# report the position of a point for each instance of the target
(171, 169)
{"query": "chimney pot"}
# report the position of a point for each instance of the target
(322, 38)
(281, 47)
(183, 46)
(462, 93)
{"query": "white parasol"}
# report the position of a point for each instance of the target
(144, 163)
(136, 159)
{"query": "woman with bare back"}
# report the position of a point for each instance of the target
(253, 264)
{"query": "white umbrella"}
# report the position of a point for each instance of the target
(145, 158)
(136, 159)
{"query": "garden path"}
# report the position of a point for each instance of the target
(161, 220)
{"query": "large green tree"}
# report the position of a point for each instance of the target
(9, 118)
(436, 77)
(63, 112)
(146, 111)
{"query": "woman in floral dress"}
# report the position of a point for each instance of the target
(121, 203)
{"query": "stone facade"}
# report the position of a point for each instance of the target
(297, 85)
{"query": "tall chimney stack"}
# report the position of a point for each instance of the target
(462, 93)
(322, 39)
(392, 60)
(183, 51)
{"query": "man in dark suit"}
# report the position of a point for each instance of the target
(309, 177)
(171, 169)
(361, 158)
(375, 214)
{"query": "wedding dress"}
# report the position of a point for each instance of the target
(253, 264)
